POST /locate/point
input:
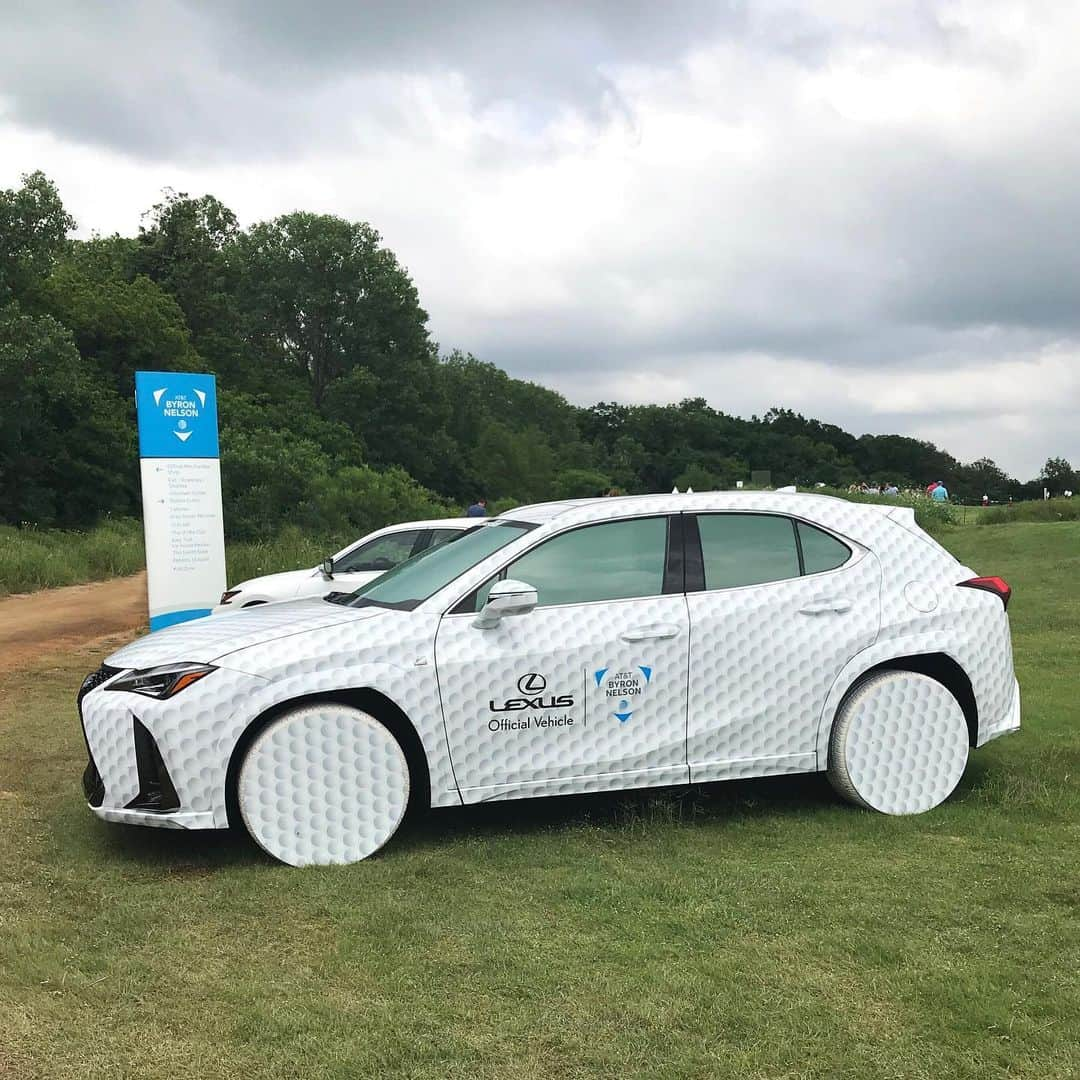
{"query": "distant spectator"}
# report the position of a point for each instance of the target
(891, 489)
(986, 500)
(940, 493)
(478, 509)
(612, 493)
(930, 487)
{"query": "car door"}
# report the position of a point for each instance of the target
(777, 608)
(369, 560)
(588, 690)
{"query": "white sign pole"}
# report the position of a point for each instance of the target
(181, 492)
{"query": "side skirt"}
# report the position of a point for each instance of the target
(666, 776)
(743, 768)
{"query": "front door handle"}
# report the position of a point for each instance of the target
(650, 633)
(823, 607)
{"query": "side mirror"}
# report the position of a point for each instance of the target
(507, 597)
(327, 568)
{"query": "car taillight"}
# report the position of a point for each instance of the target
(998, 586)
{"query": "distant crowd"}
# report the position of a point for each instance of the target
(936, 491)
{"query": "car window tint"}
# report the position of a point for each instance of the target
(820, 550)
(614, 560)
(382, 553)
(747, 549)
(440, 536)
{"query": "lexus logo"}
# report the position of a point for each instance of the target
(532, 683)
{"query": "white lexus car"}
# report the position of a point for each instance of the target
(351, 567)
(567, 647)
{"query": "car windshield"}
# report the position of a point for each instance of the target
(414, 580)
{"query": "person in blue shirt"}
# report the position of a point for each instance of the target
(940, 494)
(478, 509)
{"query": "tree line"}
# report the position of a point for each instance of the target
(335, 404)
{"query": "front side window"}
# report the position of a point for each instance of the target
(614, 560)
(411, 583)
(382, 553)
(747, 549)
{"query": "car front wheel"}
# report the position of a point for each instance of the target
(323, 784)
(899, 744)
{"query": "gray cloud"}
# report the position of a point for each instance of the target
(869, 219)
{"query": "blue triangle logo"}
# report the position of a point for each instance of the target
(599, 675)
(646, 671)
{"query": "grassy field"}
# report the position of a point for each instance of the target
(45, 558)
(752, 929)
(32, 558)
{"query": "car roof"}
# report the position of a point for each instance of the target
(430, 523)
(827, 509)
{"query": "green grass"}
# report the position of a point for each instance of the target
(1053, 510)
(32, 558)
(291, 549)
(752, 929)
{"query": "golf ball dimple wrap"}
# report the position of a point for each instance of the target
(748, 683)
(566, 645)
(761, 666)
(900, 744)
(323, 784)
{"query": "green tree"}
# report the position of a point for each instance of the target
(325, 295)
(188, 246)
(579, 484)
(1057, 475)
(67, 448)
(33, 232)
(120, 326)
(513, 464)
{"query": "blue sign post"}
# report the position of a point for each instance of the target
(181, 488)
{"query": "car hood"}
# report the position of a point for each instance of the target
(208, 639)
(284, 584)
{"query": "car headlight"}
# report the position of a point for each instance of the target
(163, 681)
(228, 594)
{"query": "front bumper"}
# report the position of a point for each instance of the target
(180, 819)
(162, 763)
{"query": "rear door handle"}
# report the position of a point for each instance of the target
(650, 633)
(824, 607)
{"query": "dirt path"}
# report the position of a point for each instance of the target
(32, 625)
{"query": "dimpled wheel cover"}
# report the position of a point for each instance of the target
(323, 784)
(899, 744)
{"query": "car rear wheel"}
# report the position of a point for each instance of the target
(899, 744)
(323, 784)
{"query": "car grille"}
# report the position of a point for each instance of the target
(93, 785)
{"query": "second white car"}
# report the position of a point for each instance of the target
(353, 566)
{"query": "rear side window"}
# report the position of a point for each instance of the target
(820, 551)
(747, 549)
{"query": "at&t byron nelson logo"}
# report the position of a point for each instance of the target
(538, 707)
(181, 409)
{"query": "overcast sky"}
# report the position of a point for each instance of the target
(872, 220)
